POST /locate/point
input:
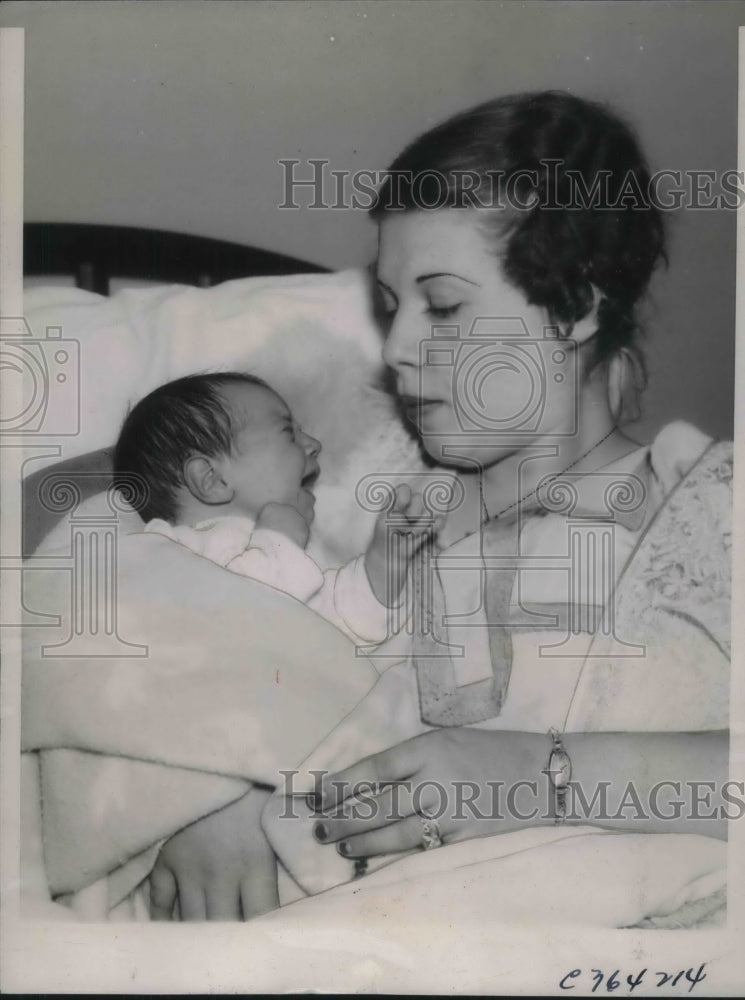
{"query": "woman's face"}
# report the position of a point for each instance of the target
(479, 371)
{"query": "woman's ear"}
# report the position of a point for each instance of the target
(626, 382)
(204, 480)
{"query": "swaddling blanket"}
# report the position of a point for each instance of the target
(209, 680)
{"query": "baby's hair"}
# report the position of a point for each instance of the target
(546, 147)
(190, 416)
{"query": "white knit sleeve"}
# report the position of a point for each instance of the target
(347, 600)
(274, 559)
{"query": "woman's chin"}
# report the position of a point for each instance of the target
(462, 450)
(447, 442)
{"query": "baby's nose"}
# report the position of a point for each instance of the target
(312, 445)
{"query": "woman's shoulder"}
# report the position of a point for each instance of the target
(678, 449)
(695, 516)
(682, 564)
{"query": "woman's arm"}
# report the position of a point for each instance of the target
(477, 783)
(678, 779)
(480, 782)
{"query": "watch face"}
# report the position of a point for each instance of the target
(559, 768)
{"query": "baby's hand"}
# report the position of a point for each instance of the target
(407, 515)
(285, 519)
(219, 868)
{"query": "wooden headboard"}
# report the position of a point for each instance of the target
(93, 255)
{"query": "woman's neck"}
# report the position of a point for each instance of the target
(514, 480)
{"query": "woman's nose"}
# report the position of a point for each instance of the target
(401, 348)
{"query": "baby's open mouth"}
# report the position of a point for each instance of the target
(309, 479)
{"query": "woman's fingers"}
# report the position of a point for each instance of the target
(416, 507)
(409, 502)
(370, 811)
(162, 893)
(403, 836)
(402, 498)
(395, 764)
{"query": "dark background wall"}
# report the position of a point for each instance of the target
(174, 115)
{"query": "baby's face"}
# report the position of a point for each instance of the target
(273, 460)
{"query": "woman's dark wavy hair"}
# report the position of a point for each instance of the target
(189, 416)
(587, 215)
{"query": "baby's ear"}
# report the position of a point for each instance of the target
(204, 480)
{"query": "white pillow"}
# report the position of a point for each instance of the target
(139, 338)
(312, 337)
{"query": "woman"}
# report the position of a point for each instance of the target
(516, 242)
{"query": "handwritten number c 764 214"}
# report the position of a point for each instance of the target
(612, 981)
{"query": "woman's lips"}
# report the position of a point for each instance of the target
(417, 408)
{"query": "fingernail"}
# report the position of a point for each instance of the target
(320, 832)
(314, 801)
(343, 848)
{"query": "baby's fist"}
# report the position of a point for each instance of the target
(408, 513)
(286, 520)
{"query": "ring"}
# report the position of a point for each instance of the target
(431, 835)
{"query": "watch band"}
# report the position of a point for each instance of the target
(559, 771)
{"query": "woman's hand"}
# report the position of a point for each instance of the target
(219, 868)
(477, 783)
(468, 779)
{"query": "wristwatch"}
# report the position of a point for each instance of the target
(559, 771)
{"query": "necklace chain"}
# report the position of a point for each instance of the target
(516, 503)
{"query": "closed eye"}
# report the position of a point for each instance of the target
(443, 312)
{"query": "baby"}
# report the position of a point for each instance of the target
(227, 472)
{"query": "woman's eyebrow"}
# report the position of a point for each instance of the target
(445, 274)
